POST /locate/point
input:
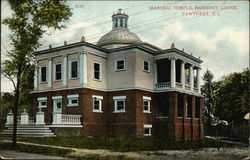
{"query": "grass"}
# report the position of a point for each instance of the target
(60, 152)
(125, 144)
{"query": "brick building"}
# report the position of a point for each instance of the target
(120, 86)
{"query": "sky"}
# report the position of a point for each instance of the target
(217, 32)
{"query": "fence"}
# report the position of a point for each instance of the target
(235, 131)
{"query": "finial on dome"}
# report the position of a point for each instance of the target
(191, 53)
(65, 43)
(119, 10)
(182, 50)
(82, 39)
(50, 46)
(172, 45)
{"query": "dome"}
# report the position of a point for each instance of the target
(119, 35)
(120, 32)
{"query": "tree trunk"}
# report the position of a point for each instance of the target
(15, 108)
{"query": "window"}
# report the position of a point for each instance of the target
(97, 103)
(146, 104)
(58, 71)
(43, 74)
(146, 66)
(189, 106)
(120, 65)
(73, 100)
(74, 69)
(119, 104)
(180, 105)
(42, 102)
(147, 129)
(116, 22)
(126, 23)
(97, 71)
(197, 107)
(121, 22)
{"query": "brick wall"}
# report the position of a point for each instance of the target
(132, 121)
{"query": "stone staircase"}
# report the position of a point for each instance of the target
(29, 130)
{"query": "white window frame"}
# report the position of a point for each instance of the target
(94, 71)
(40, 100)
(119, 98)
(70, 69)
(116, 69)
(147, 126)
(97, 98)
(73, 97)
(40, 74)
(148, 99)
(148, 66)
(55, 71)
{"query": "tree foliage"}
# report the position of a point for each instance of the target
(206, 91)
(29, 20)
(231, 97)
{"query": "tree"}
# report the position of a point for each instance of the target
(29, 21)
(231, 97)
(206, 91)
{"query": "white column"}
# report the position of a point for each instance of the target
(118, 22)
(85, 70)
(57, 118)
(173, 78)
(183, 74)
(36, 77)
(65, 69)
(81, 68)
(49, 73)
(40, 117)
(191, 77)
(198, 80)
(24, 117)
(155, 70)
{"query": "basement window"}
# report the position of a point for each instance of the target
(73, 100)
(97, 103)
(119, 104)
(146, 104)
(42, 102)
(147, 129)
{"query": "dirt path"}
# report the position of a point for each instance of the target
(201, 154)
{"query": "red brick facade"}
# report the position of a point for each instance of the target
(130, 123)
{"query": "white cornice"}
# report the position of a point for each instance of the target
(177, 56)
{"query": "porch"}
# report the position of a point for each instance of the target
(173, 73)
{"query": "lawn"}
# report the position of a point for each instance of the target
(125, 144)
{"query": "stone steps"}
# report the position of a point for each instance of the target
(29, 131)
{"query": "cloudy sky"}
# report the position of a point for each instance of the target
(218, 32)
